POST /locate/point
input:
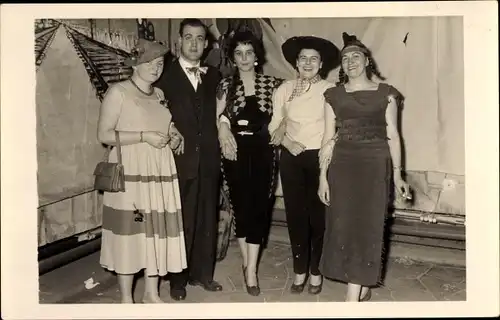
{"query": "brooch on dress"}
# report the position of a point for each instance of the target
(164, 103)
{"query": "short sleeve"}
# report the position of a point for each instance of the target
(394, 93)
(329, 95)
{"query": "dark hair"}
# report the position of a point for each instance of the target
(371, 69)
(242, 37)
(323, 71)
(193, 22)
(247, 37)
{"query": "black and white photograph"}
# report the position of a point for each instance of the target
(255, 160)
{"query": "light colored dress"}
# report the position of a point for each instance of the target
(142, 227)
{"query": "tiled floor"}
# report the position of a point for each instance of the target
(405, 280)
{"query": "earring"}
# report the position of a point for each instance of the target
(370, 64)
(255, 63)
(371, 67)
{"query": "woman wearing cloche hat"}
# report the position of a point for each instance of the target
(142, 226)
(298, 125)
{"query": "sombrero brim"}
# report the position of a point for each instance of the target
(330, 54)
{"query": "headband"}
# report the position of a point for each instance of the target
(353, 48)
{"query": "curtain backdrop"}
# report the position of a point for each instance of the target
(427, 68)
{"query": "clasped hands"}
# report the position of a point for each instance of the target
(159, 140)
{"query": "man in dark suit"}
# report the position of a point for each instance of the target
(190, 91)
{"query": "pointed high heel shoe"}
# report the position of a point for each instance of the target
(251, 290)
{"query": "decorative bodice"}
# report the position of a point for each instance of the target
(360, 115)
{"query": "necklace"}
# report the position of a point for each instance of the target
(142, 91)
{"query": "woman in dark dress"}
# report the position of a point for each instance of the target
(244, 104)
(360, 153)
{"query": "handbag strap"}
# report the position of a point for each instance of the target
(118, 145)
(119, 149)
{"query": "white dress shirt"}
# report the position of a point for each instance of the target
(191, 76)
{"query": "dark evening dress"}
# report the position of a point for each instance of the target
(359, 176)
(251, 177)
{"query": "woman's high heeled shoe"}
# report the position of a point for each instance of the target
(298, 288)
(315, 289)
(251, 290)
(367, 296)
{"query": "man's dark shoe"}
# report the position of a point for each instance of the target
(211, 285)
(178, 293)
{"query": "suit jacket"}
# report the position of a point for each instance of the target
(194, 114)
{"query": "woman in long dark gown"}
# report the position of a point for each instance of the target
(360, 153)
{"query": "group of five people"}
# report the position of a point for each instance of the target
(336, 146)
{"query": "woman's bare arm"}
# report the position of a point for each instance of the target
(391, 116)
(328, 141)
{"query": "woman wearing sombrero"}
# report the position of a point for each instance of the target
(142, 226)
(298, 125)
(361, 153)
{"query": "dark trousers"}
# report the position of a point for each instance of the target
(249, 179)
(305, 213)
(199, 198)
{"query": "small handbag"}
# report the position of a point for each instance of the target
(110, 177)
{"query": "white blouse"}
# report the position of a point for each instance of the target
(305, 113)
